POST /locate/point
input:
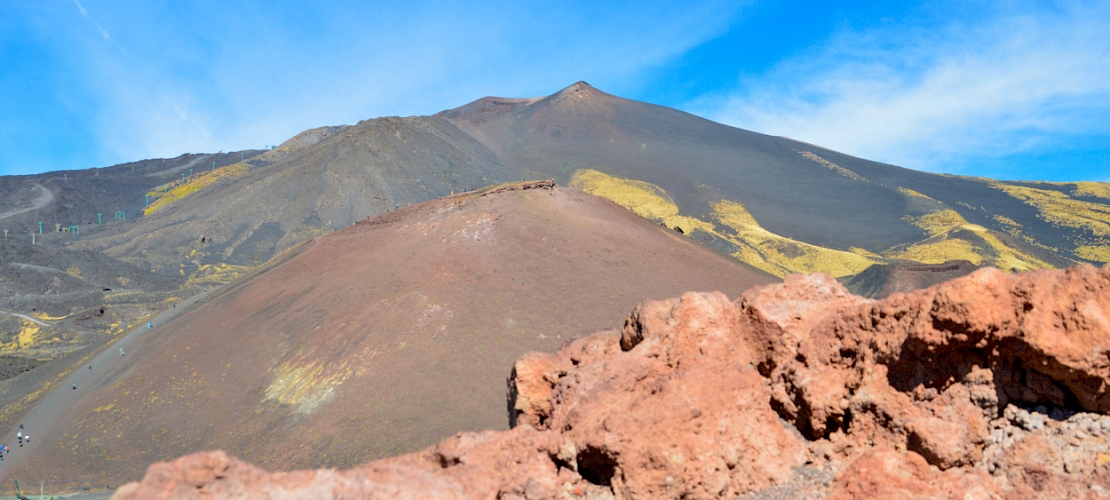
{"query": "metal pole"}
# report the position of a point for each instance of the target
(183, 177)
(190, 172)
(213, 165)
(40, 227)
(98, 218)
(241, 157)
(32, 238)
(148, 200)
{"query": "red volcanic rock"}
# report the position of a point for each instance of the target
(885, 474)
(989, 386)
(928, 370)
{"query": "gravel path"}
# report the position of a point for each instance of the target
(41, 419)
(45, 197)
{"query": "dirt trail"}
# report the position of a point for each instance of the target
(108, 364)
(28, 318)
(45, 197)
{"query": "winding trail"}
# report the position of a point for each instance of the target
(45, 197)
(26, 317)
(40, 420)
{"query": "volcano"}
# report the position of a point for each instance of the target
(375, 340)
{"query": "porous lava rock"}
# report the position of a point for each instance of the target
(988, 386)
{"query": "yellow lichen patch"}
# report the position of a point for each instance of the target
(832, 166)
(28, 332)
(756, 246)
(306, 386)
(107, 407)
(643, 198)
(1093, 189)
(915, 194)
(939, 251)
(779, 255)
(1061, 210)
(1095, 253)
(866, 253)
(201, 181)
(218, 273)
(1006, 221)
(42, 316)
(940, 221)
(74, 271)
(951, 237)
(123, 281)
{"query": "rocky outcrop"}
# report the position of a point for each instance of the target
(989, 386)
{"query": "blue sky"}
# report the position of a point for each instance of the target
(1012, 90)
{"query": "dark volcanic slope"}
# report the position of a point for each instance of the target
(322, 180)
(378, 339)
(802, 193)
(881, 280)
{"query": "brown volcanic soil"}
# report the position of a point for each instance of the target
(376, 340)
(988, 386)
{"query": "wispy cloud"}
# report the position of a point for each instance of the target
(254, 73)
(933, 98)
(85, 14)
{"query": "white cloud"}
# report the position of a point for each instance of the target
(243, 76)
(924, 98)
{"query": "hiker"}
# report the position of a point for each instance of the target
(121, 351)
(75, 387)
(205, 288)
(28, 438)
(149, 324)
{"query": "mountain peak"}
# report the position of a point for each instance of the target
(580, 88)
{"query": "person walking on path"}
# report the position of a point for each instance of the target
(149, 324)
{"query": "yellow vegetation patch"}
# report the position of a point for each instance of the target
(779, 255)
(1095, 253)
(915, 194)
(1006, 221)
(201, 181)
(46, 317)
(832, 166)
(306, 386)
(28, 332)
(1061, 210)
(940, 251)
(758, 247)
(107, 407)
(73, 271)
(949, 240)
(643, 198)
(218, 273)
(1095, 189)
